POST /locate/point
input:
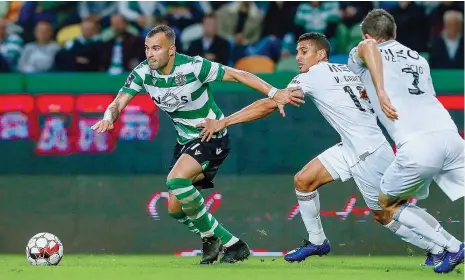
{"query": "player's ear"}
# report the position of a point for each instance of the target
(172, 50)
(366, 36)
(321, 55)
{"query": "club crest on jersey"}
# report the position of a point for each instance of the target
(180, 79)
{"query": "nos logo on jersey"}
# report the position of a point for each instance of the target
(170, 100)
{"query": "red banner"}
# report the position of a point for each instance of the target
(18, 118)
(61, 123)
(55, 123)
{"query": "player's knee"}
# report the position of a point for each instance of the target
(383, 201)
(305, 184)
(173, 175)
(174, 205)
(382, 217)
(390, 203)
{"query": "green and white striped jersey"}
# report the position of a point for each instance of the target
(184, 94)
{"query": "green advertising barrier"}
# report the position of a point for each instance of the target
(445, 82)
(110, 214)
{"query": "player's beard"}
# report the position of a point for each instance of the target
(157, 65)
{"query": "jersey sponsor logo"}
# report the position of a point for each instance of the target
(170, 100)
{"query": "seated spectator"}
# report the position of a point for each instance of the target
(278, 21)
(58, 13)
(98, 11)
(437, 15)
(83, 53)
(10, 46)
(348, 33)
(141, 13)
(211, 45)
(316, 16)
(38, 56)
(125, 51)
(181, 14)
(412, 25)
(447, 49)
(240, 23)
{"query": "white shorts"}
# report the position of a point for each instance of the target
(367, 174)
(436, 156)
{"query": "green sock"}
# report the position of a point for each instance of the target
(183, 219)
(193, 205)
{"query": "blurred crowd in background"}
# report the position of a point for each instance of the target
(51, 36)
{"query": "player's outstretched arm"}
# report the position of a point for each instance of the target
(112, 113)
(257, 110)
(282, 97)
(369, 53)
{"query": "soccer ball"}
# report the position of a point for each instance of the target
(44, 249)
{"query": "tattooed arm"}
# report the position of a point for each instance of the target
(112, 113)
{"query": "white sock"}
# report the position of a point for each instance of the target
(424, 224)
(309, 205)
(413, 238)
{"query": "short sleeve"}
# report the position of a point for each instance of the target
(133, 85)
(304, 81)
(207, 71)
(355, 63)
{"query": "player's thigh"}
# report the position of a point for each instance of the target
(451, 178)
(411, 172)
(185, 167)
(368, 173)
(327, 167)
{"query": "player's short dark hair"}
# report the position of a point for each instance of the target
(169, 33)
(319, 39)
(378, 23)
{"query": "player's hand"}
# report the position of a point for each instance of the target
(293, 96)
(102, 126)
(209, 128)
(387, 106)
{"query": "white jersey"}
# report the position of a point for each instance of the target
(408, 83)
(336, 93)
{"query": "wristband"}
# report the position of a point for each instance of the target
(272, 92)
(107, 116)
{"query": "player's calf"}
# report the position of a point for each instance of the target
(435, 252)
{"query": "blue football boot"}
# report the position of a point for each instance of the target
(450, 261)
(434, 259)
(306, 250)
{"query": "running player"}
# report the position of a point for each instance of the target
(429, 146)
(178, 84)
(364, 153)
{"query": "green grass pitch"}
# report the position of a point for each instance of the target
(154, 267)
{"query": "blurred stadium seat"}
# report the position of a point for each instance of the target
(68, 33)
(257, 64)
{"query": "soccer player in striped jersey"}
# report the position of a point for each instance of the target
(178, 84)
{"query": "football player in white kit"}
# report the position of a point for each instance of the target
(363, 154)
(429, 146)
